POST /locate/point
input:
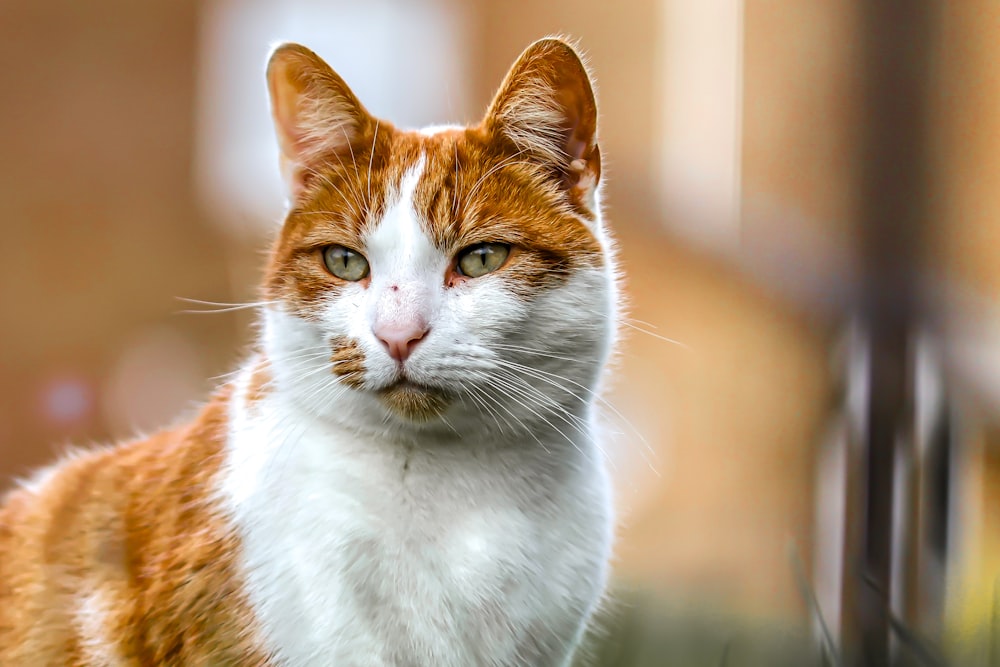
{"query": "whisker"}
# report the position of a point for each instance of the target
(499, 404)
(470, 391)
(542, 418)
(544, 403)
(553, 378)
(634, 324)
(454, 190)
(329, 181)
(672, 341)
(495, 168)
(219, 307)
(610, 406)
(354, 160)
(579, 425)
(496, 401)
(371, 161)
(320, 212)
(527, 350)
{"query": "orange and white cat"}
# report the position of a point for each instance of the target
(408, 470)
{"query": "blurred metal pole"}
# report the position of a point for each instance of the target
(896, 40)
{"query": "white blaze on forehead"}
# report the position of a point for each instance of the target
(399, 241)
(92, 620)
(406, 268)
(431, 130)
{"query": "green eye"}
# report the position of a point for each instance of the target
(345, 263)
(482, 258)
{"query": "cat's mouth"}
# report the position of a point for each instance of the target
(415, 401)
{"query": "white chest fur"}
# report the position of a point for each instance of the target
(360, 552)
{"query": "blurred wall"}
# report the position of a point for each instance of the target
(966, 119)
(967, 125)
(800, 151)
(101, 228)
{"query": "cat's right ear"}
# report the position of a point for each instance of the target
(316, 116)
(546, 108)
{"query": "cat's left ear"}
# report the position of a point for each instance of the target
(546, 108)
(316, 115)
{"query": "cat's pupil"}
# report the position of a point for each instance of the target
(345, 263)
(482, 258)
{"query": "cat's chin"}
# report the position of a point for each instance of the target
(415, 402)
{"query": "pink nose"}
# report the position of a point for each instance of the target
(400, 341)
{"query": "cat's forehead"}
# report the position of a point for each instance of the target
(399, 239)
(410, 201)
(468, 190)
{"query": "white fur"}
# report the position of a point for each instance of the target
(92, 620)
(404, 264)
(481, 538)
(431, 130)
(39, 479)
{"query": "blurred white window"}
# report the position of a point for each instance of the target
(701, 66)
(405, 59)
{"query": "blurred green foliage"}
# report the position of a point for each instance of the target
(641, 629)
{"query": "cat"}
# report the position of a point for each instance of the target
(408, 468)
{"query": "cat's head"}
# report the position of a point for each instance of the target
(428, 276)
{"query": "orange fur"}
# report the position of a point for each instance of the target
(133, 527)
(260, 382)
(348, 362)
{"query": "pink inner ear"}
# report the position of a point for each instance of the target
(314, 111)
(547, 102)
(575, 147)
(579, 147)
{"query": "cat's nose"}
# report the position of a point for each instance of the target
(401, 340)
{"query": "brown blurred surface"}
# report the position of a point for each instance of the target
(967, 130)
(101, 228)
(800, 135)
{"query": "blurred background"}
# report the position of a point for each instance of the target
(139, 167)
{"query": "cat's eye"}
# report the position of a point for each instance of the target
(482, 258)
(345, 263)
